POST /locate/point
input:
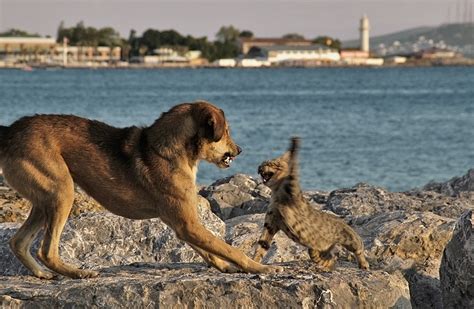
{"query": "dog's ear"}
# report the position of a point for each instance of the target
(213, 123)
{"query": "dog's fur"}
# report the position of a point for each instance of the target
(137, 173)
(290, 212)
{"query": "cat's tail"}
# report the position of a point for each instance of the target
(292, 187)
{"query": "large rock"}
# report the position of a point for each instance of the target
(95, 240)
(455, 186)
(241, 195)
(367, 200)
(412, 242)
(237, 195)
(457, 266)
(195, 286)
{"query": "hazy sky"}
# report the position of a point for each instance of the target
(338, 18)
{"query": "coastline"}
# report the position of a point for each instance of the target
(464, 62)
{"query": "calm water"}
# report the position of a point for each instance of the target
(398, 128)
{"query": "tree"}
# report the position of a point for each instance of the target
(227, 34)
(328, 41)
(16, 32)
(293, 36)
(246, 34)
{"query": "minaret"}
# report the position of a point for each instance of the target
(364, 34)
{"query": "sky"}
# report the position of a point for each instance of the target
(265, 18)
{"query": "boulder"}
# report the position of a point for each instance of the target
(412, 242)
(457, 266)
(195, 286)
(455, 186)
(367, 200)
(237, 195)
(94, 240)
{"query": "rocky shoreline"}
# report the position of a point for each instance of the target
(419, 244)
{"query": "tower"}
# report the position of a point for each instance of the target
(364, 34)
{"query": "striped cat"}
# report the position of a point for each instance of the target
(290, 212)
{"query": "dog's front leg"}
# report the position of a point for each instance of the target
(215, 261)
(199, 237)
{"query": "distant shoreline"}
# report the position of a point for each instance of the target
(29, 67)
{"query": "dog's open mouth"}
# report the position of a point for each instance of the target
(266, 176)
(227, 159)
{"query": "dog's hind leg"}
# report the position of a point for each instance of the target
(58, 205)
(22, 240)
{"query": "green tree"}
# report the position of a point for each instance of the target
(246, 34)
(328, 41)
(16, 32)
(227, 34)
(294, 36)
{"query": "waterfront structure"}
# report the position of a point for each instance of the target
(26, 49)
(287, 53)
(225, 63)
(22, 50)
(436, 53)
(166, 56)
(364, 34)
(246, 44)
(88, 55)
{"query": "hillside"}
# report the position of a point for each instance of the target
(457, 36)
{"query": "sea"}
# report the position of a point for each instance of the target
(397, 128)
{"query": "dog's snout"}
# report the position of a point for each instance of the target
(239, 150)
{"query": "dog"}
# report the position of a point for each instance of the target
(137, 173)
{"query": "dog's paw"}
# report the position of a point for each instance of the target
(273, 269)
(44, 274)
(84, 274)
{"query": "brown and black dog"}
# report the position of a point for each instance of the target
(137, 173)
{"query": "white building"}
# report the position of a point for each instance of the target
(287, 53)
(225, 63)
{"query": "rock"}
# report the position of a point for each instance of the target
(195, 286)
(412, 242)
(394, 241)
(457, 266)
(454, 186)
(236, 195)
(366, 200)
(95, 240)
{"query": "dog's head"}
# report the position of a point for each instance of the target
(274, 171)
(215, 143)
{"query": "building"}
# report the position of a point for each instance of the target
(246, 44)
(88, 55)
(17, 50)
(436, 53)
(166, 56)
(225, 63)
(26, 49)
(286, 53)
(364, 34)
